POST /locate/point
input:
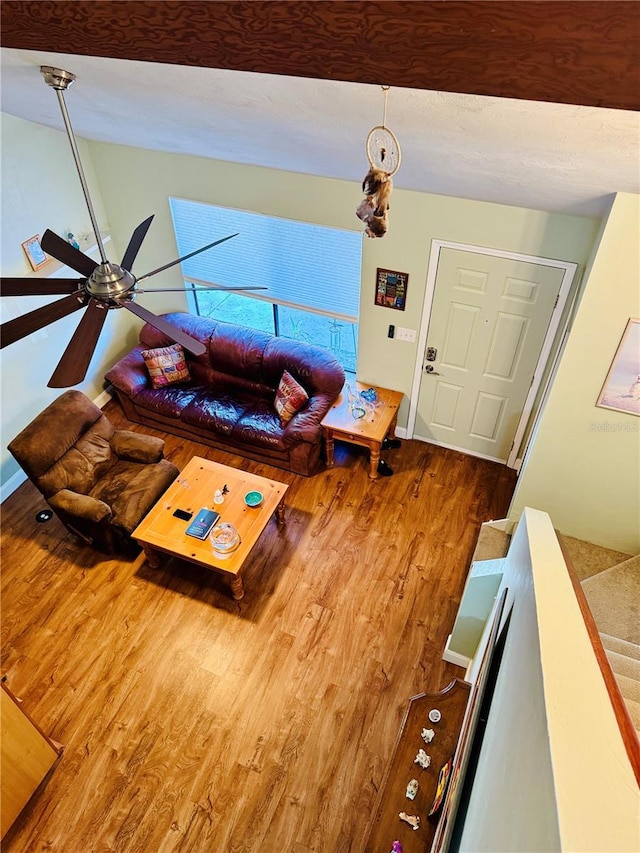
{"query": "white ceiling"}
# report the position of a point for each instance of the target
(526, 153)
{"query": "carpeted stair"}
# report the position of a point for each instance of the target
(614, 599)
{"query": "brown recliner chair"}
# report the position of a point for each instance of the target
(99, 481)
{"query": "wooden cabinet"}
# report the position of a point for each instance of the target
(27, 756)
(386, 826)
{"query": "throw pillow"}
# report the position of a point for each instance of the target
(166, 365)
(290, 397)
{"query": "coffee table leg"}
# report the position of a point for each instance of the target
(328, 447)
(374, 459)
(280, 519)
(237, 588)
(151, 556)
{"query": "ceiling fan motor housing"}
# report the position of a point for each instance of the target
(57, 78)
(110, 281)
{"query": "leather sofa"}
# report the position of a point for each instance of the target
(228, 401)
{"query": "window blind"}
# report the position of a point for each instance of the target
(304, 265)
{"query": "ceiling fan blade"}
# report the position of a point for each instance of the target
(186, 257)
(38, 286)
(135, 242)
(67, 254)
(203, 287)
(14, 330)
(73, 366)
(189, 343)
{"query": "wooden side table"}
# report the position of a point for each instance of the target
(366, 432)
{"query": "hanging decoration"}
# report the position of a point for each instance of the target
(384, 156)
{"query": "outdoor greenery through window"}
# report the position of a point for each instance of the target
(311, 272)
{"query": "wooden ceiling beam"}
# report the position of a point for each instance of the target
(565, 52)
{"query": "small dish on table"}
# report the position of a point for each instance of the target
(253, 499)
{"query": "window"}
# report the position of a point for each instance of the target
(311, 272)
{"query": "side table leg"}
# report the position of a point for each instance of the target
(328, 447)
(237, 588)
(374, 459)
(152, 557)
(280, 519)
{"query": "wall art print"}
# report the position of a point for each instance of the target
(621, 389)
(391, 289)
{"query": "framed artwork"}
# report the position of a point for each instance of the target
(33, 251)
(621, 389)
(391, 289)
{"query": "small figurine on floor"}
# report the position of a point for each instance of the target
(422, 759)
(397, 847)
(412, 819)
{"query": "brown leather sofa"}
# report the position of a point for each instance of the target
(228, 402)
(99, 481)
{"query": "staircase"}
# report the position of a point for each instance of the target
(613, 595)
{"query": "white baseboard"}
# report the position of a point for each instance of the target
(19, 477)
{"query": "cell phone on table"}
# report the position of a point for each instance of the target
(183, 514)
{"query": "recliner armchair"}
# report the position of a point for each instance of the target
(99, 481)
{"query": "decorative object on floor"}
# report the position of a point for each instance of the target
(621, 389)
(391, 289)
(99, 286)
(412, 819)
(422, 759)
(396, 847)
(33, 251)
(99, 481)
(383, 154)
(434, 715)
(72, 240)
(427, 735)
(412, 789)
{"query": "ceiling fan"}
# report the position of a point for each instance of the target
(99, 287)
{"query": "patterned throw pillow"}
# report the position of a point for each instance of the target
(290, 397)
(166, 365)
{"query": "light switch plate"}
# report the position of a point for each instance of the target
(405, 334)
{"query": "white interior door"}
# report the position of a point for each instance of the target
(488, 323)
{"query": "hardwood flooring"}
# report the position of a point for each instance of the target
(192, 722)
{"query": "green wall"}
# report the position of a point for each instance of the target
(137, 182)
(583, 467)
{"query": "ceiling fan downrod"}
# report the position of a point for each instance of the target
(60, 80)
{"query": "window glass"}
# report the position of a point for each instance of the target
(311, 272)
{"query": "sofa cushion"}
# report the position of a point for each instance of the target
(260, 427)
(219, 412)
(290, 397)
(166, 365)
(169, 401)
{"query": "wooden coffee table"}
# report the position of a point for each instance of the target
(161, 531)
(367, 432)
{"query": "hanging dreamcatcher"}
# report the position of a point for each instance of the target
(383, 154)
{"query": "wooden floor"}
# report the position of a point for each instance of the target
(195, 723)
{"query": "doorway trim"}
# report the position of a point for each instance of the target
(569, 271)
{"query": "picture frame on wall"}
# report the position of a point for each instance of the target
(34, 252)
(391, 289)
(621, 389)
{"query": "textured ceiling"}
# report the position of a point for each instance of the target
(539, 155)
